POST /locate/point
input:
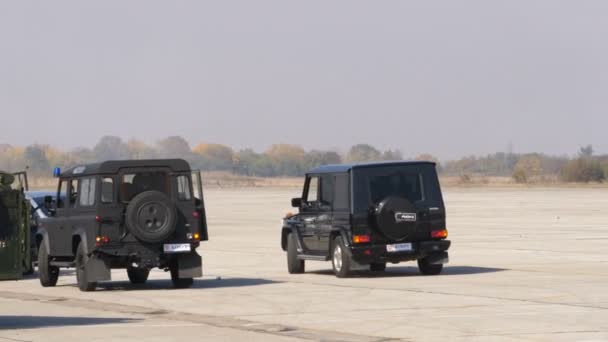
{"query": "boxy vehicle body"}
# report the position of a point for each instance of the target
(368, 214)
(136, 215)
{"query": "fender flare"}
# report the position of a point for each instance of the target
(82, 234)
(344, 233)
(290, 229)
(44, 234)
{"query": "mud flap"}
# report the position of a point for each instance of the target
(190, 265)
(97, 269)
(438, 258)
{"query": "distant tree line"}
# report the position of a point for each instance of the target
(277, 160)
(293, 160)
(585, 167)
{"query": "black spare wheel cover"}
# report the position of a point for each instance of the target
(395, 217)
(151, 217)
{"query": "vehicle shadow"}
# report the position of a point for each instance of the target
(34, 322)
(35, 275)
(412, 271)
(162, 284)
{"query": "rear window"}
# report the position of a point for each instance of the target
(416, 183)
(133, 184)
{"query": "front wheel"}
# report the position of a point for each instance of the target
(294, 265)
(341, 258)
(48, 274)
(427, 268)
(81, 270)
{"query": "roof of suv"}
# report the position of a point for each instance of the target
(347, 167)
(113, 166)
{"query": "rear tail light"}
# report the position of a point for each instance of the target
(362, 239)
(439, 234)
(101, 240)
(196, 214)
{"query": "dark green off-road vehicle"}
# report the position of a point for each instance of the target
(135, 215)
(15, 251)
(362, 216)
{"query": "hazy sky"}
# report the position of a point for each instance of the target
(450, 77)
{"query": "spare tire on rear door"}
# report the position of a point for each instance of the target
(151, 217)
(395, 218)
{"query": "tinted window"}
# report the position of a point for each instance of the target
(133, 184)
(341, 192)
(327, 189)
(107, 190)
(183, 188)
(414, 182)
(87, 192)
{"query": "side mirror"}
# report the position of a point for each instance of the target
(296, 202)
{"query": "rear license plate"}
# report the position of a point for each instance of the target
(400, 247)
(176, 247)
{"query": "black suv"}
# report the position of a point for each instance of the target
(368, 214)
(136, 215)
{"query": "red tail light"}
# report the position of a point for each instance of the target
(439, 234)
(196, 214)
(362, 239)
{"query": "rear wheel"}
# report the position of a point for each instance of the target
(293, 264)
(341, 258)
(377, 266)
(427, 268)
(48, 274)
(81, 267)
(138, 275)
(179, 283)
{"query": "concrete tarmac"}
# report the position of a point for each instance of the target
(525, 265)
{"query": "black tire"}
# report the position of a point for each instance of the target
(81, 262)
(377, 266)
(429, 269)
(179, 283)
(48, 274)
(340, 258)
(138, 275)
(151, 217)
(294, 265)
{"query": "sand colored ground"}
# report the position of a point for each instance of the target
(526, 265)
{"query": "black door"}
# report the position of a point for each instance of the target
(309, 214)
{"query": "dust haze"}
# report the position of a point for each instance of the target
(446, 78)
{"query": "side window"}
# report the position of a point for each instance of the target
(62, 192)
(183, 188)
(73, 193)
(313, 190)
(107, 190)
(327, 190)
(87, 192)
(341, 192)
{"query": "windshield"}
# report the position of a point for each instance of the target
(416, 183)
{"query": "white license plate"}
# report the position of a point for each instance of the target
(400, 247)
(176, 247)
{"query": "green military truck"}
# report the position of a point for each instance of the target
(15, 254)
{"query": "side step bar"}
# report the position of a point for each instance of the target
(313, 257)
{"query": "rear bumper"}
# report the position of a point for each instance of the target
(378, 253)
(145, 255)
